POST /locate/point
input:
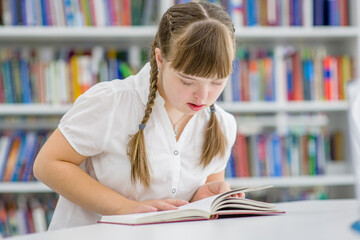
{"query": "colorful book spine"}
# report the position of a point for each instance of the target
(296, 153)
(20, 216)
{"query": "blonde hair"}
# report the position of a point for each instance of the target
(196, 39)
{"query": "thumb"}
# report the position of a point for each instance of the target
(224, 187)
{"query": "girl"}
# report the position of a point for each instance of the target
(153, 141)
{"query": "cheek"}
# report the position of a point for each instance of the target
(214, 93)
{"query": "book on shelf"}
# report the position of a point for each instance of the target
(274, 155)
(18, 151)
(308, 74)
(57, 76)
(218, 206)
(24, 214)
(77, 13)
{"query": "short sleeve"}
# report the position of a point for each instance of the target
(87, 125)
(229, 127)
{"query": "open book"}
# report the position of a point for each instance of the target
(208, 208)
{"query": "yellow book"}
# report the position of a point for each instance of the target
(75, 78)
(345, 73)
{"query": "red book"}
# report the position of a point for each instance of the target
(297, 76)
(244, 78)
(240, 156)
(327, 77)
(126, 4)
(343, 11)
(92, 12)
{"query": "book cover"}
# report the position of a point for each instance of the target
(25, 81)
(136, 12)
(126, 12)
(12, 158)
(8, 83)
(235, 81)
(318, 12)
(236, 14)
(297, 77)
(16, 80)
(343, 12)
(2, 96)
(5, 146)
(18, 162)
(99, 11)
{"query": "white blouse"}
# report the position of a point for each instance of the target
(99, 124)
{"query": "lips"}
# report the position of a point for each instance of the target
(195, 107)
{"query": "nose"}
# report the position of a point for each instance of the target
(201, 93)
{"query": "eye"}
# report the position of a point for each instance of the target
(217, 83)
(186, 83)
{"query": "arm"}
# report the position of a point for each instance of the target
(57, 165)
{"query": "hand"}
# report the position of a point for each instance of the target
(154, 205)
(213, 188)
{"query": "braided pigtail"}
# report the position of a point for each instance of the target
(136, 149)
(215, 142)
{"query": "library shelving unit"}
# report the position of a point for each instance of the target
(337, 40)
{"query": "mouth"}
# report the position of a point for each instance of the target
(195, 107)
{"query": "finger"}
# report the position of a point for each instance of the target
(162, 205)
(176, 202)
(142, 208)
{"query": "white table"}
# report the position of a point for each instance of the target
(318, 219)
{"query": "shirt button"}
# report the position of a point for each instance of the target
(176, 152)
(173, 190)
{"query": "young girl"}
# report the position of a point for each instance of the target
(154, 141)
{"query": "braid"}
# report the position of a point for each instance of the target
(215, 141)
(136, 148)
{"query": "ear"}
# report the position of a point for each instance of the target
(159, 59)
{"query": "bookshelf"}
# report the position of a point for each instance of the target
(278, 114)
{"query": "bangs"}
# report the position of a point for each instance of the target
(205, 49)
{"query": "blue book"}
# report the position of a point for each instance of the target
(318, 12)
(229, 170)
(13, 12)
(109, 20)
(69, 13)
(276, 155)
(235, 81)
(270, 81)
(26, 155)
(333, 13)
(8, 82)
(289, 79)
(23, 13)
(43, 12)
(297, 12)
(309, 82)
(251, 12)
(25, 81)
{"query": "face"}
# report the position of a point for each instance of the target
(186, 93)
